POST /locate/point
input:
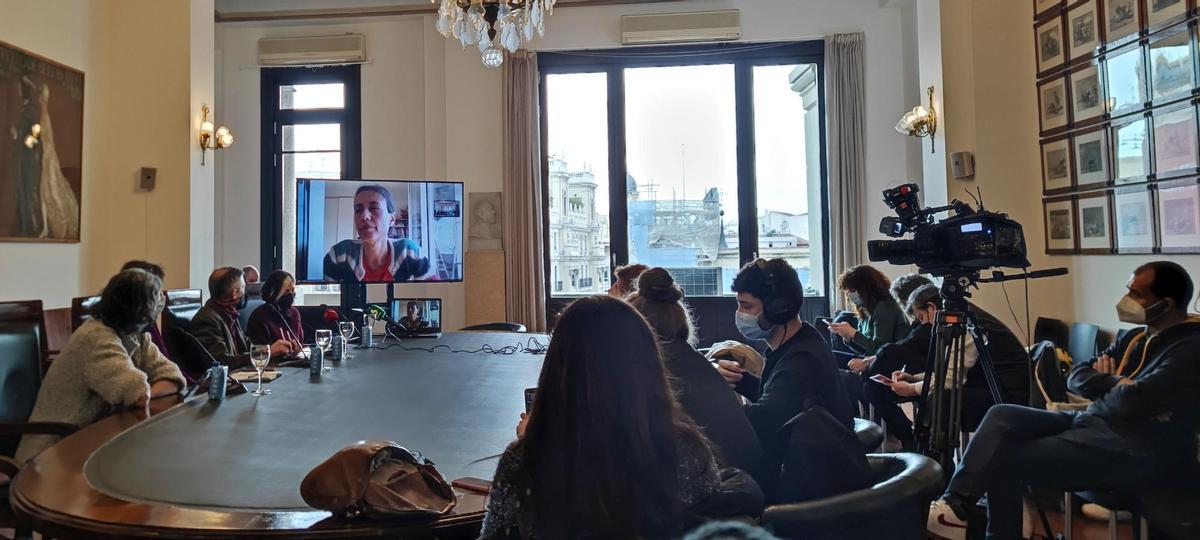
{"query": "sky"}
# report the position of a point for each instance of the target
(681, 132)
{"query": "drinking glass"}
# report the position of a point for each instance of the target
(347, 330)
(324, 338)
(259, 356)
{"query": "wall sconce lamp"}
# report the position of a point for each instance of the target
(210, 139)
(920, 122)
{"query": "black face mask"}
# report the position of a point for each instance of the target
(285, 302)
(241, 303)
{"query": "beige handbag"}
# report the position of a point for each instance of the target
(378, 479)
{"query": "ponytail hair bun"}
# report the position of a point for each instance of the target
(658, 285)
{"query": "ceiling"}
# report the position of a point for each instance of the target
(259, 10)
(235, 6)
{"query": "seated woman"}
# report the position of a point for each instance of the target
(881, 319)
(152, 328)
(109, 362)
(374, 257)
(605, 452)
(277, 319)
(626, 280)
(700, 390)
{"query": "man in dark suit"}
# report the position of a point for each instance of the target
(216, 325)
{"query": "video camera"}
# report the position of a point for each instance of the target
(966, 242)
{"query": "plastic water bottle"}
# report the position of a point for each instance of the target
(216, 381)
(336, 348)
(368, 337)
(314, 360)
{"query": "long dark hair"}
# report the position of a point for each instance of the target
(129, 301)
(872, 287)
(600, 453)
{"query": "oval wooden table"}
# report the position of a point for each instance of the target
(232, 469)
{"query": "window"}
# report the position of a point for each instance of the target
(311, 129)
(695, 159)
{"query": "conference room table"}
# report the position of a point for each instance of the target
(194, 468)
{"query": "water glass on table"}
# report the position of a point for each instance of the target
(324, 339)
(259, 356)
(347, 329)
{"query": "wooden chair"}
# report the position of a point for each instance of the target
(22, 352)
(81, 310)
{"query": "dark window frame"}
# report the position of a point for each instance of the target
(744, 57)
(271, 180)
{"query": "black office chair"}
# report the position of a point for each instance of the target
(896, 507)
(496, 327)
(1052, 330)
(252, 304)
(1085, 342)
(81, 310)
(182, 305)
(869, 433)
(22, 349)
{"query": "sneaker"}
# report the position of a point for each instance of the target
(1100, 513)
(944, 521)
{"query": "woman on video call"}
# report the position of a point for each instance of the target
(373, 257)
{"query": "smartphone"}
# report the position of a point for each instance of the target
(882, 379)
(477, 485)
(530, 393)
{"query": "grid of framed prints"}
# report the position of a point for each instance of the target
(1119, 118)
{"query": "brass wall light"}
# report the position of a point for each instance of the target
(920, 122)
(212, 139)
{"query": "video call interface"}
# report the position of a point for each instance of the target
(418, 314)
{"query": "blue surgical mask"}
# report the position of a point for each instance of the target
(747, 324)
(855, 298)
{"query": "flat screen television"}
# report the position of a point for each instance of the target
(378, 231)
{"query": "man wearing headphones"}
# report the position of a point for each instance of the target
(799, 370)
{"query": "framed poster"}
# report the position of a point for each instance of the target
(1041, 7)
(1179, 216)
(1087, 95)
(1126, 80)
(1095, 223)
(1161, 13)
(1175, 142)
(1083, 30)
(1172, 69)
(1057, 174)
(1134, 214)
(1090, 153)
(1051, 49)
(1060, 225)
(1122, 20)
(1131, 151)
(1052, 101)
(41, 122)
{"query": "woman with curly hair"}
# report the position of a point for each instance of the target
(880, 318)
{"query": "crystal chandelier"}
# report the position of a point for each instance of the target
(493, 25)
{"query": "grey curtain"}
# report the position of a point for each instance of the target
(845, 81)
(524, 268)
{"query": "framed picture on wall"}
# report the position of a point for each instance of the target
(1122, 20)
(1052, 101)
(1179, 216)
(1051, 49)
(1090, 154)
(1083, 30)
(1057, 174)
(1175, 142)
(1087, 95)
(1131, 151)
(1126, 80)
(1134, 214)
(1172, 69)
(1095, 223)
(1042, 7)
(1060, 225)
(1160, 13)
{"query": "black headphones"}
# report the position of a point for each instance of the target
(778, 306)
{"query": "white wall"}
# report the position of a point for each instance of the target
(430, 110)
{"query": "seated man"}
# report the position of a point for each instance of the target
(1136, 429)
(216, 324)
(799, 370)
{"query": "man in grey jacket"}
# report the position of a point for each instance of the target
(216, 325)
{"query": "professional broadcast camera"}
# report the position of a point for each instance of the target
(966, 242)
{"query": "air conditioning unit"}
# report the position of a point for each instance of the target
(681, 27)
(312, 51)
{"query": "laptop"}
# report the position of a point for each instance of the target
(417, 317)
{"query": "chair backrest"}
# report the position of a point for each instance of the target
(821, 324)
(1052, 330)
(182, 305)
(1085, 342)
(81, 310)
(495, 327)
(252, 304)
(22, 350)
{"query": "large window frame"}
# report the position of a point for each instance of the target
(271, 181)
(744, 57)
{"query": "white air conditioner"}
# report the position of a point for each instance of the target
(681, 27)
(312, 51)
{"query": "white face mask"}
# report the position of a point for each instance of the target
(855, 298)
(747, 324)
(1130, 311)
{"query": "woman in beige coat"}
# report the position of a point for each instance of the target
(108, 363)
